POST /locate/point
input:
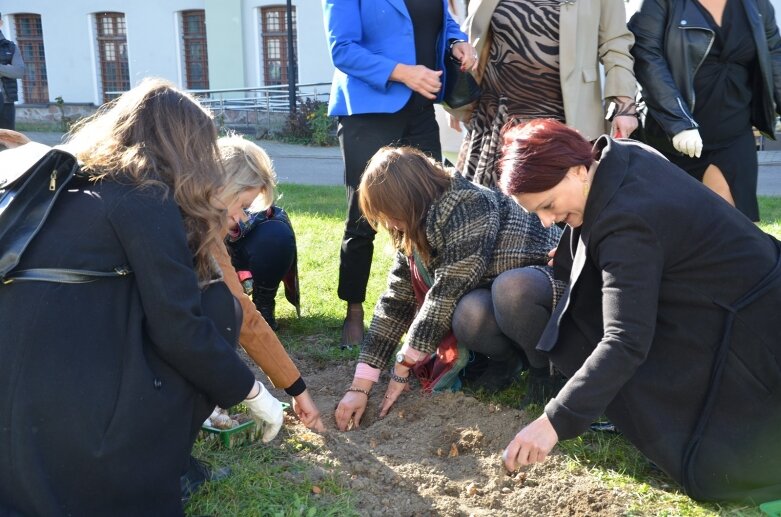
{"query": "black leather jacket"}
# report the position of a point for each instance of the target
(672, 40)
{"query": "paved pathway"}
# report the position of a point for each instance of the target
(323, 165)
(293, 163)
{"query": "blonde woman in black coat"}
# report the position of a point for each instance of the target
(683, 353)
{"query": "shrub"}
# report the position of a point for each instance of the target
(310, 125)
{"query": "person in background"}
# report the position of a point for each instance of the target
(710, 70)
(389, 57)
(264, 244)
(11, 69)
(670, 322)
(109, 381)
(249, 180)
(249, 184)
(488, 282)
(541, 59)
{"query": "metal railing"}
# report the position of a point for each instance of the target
(263, 106)
(272, 99)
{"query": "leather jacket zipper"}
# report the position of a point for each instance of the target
(705, 55)
(685, 113)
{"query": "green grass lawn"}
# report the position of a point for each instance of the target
(276, 481)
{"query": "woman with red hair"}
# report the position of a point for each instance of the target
(669, 325)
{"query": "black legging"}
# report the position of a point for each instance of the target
(360, 136)
(504, 322)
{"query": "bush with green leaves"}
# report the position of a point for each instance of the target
(310, 124)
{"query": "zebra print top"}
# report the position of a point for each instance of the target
(524, 61)
(521, 80)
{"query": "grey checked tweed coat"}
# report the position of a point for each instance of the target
(476, 234)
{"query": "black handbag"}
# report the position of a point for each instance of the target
(461, 88)
(32, 177)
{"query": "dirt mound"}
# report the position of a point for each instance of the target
(441, 455)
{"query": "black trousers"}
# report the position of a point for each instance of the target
(267, 251)
(360, 136)
(7, 115)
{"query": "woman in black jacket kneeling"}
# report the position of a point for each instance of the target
(670, 324)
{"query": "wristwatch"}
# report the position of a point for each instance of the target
(402, 360)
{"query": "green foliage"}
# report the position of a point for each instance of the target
(310, 125)
(65, 121)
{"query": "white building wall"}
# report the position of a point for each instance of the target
(314, 61)
(153, 42)
(69, 41)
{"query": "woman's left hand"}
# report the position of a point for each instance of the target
(623, 126)
(394, 391)
(306, 410)
(532, 444)
(467, 54)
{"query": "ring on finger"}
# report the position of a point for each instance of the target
(387, 397)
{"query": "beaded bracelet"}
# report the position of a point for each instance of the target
(398, 378)
(358, 390)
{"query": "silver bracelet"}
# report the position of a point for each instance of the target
(398, 378)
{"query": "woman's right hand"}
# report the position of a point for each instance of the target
(418, 78)
(552, 255)
(352, 406)
(306, 410)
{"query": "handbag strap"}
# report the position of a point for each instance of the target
(64, 276)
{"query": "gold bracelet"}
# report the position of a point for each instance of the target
(358, 390)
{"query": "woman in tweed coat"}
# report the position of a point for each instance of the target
(474, 246)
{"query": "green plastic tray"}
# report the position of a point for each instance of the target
(241, 434)
(771, 508)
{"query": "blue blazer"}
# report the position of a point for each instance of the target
(367, 39)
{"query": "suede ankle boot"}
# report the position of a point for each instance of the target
(265, 301)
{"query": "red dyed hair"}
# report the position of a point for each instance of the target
(537, 155)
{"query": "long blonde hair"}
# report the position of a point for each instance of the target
(246, 166)
(158, 136)
(401, 183)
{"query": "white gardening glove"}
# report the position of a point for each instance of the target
(688, 142)
(266, 411)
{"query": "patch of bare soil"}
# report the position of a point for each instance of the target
(441, 455)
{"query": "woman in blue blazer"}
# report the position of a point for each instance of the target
(389, 57)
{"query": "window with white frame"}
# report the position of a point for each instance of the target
(273, 25)
(29, 39)
(112, 54)
(196, 60)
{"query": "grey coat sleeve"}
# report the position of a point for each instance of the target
(14, 70)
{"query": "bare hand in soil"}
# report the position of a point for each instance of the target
(392, 394)
(306, 410)
(350, 410)
(532, 444)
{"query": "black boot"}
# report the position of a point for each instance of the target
(541, 386)
(198, 473)
(497, 375)
(265, 301)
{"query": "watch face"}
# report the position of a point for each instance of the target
(400, 357)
